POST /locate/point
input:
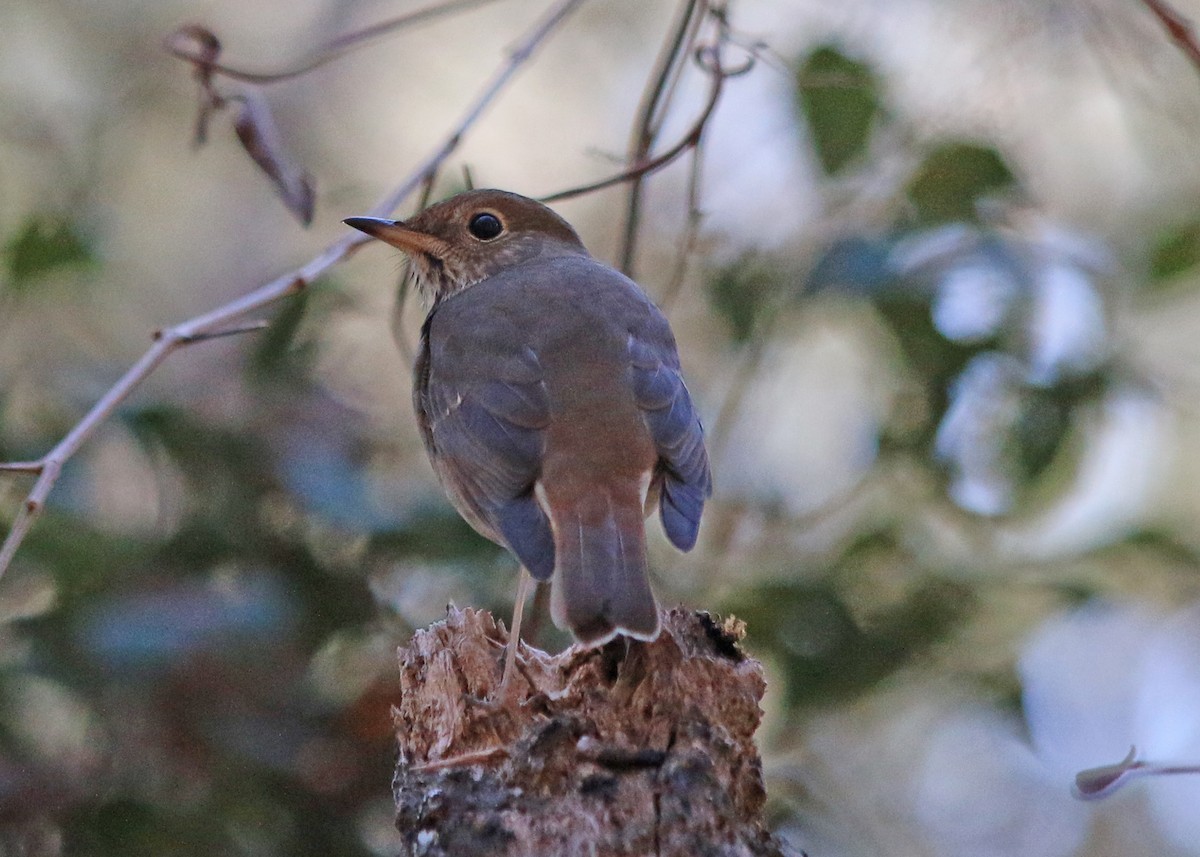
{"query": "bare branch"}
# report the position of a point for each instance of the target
(691, 230)
(650, 113)
(217, 322)
(1178, 27)
(248, 327)
(255, 126)
(689, 141)
(198, 46)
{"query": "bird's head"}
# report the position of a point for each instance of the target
(455, 243)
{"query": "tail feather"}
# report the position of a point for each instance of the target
(601, 587)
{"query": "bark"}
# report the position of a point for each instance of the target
(628, 749)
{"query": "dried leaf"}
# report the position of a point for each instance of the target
(259, 135)
(1096, 783)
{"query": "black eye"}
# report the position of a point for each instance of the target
(485, 226)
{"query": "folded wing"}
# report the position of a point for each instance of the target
(484, 429)
(675, 427)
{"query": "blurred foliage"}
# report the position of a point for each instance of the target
(953, 178)
(828, 653)
(966, 295)
(44, 245)
(935, 359)
(740, 291)
(1176, 252)
(277, 356)
(1045, 423)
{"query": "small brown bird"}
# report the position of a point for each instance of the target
(549, 395)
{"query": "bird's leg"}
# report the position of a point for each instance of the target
(500, 697)
(524, 581)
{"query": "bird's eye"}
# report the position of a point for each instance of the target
(485, 226)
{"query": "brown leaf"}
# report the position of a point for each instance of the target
(259, 135)
(1095, 783)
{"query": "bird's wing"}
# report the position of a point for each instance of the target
(678, 436)
(482, 422)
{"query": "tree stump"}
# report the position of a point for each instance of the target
(628, 749)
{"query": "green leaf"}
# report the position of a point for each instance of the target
(953, 178)
(840, 101)
(286, 350)
(1044, 421)
(44, 245)
(127, 825)
(275, 350)
(83, 558)
(1176, 252)
(739, 291)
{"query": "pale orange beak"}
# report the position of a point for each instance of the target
(396, 233)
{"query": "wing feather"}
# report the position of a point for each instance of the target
(675, 427)
(483, 426)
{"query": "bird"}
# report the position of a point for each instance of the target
(549, 395)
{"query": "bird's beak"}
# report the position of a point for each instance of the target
(396, 233)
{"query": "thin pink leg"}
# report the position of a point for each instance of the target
(524, 584)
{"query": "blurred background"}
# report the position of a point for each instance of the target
(941, 314)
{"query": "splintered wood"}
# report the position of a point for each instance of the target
(629, 749)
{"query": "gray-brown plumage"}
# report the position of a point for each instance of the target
(549, 395)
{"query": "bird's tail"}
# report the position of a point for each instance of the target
(600, 584)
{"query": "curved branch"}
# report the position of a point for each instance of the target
(1178, 27)
(691, 231)
(198, 46)
(651, 113)
(220, 321)
(689, 141)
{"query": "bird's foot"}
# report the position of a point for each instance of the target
(507, 695)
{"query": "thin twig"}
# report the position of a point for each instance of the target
(182, 44)
(691, 231)
(50, 466)
(645, 129)
(1178, 27)
(687, 142)
(236, 330)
